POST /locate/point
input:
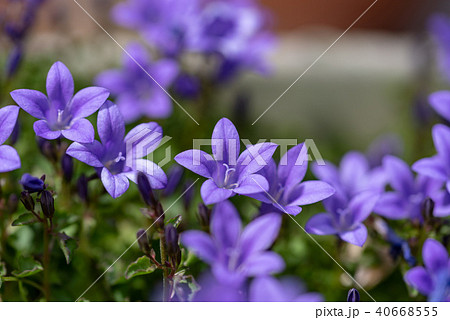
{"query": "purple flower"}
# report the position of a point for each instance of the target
(440, 29)
(408, 194)
(344, 219)
(433, 280)
(440, 101)
(32, 184)
(9, 159)
(162, 23)
(118, 159)
(286, 191)
(228, 172)
(235, 254)
(353, 176)
(438, 166)
(137, 93)
(287, 289)
(62, 113)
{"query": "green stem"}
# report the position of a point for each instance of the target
(24, 280)
(166, 289)
(46, 261)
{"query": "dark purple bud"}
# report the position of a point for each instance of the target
(15, 134)
(67, 167)
(82, 188)
(204, 215)
(188, 195)
(47, 204)
(13, 62)
(146, 190)
(32, 184)
(48, 149)
(407, 255)
(353, 295)
(142, 239)
(173, 180)
(27, 200)
(187, 86)
(241, 108)
(427, 209)
(173, 248)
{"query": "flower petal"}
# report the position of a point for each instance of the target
(42, 130)
(266, 289)
(327, 172)
(353, 166)
(321, 224)
(310, 192)
(197, 161)
(81, 130)
(143, 139)
(435, 256)
(441, 139)
(110, 124)
(400, 175)
(225, 224)
(391, 205)
(262, 264)
(255, 157)
(159, 105)
(8, 119)
(293, 166)
(201, 244)
(9, 159)
(357, 236)
(260, 234)
(31, 101)
(59, 85)
(87, 101)
(419, 279)
(116, 185)
(253, 183)
(440, 101)
(225, 142)
(432, 167)
(362, 205)
(156, 175)
(90, 154)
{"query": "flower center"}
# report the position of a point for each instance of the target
(229, 175)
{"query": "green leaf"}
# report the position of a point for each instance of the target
(67, 245)
(24, 219)
(2, 269)
(141, 266)
(27, 267)
(175, 221)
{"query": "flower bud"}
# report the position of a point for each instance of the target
(146, 190)
(32, 184)
(353, 295)
(427, 209)
(48, 149)
(173, 180)
(47, 204)
(188, 194)
(203, 214)
(82, 188)
(27, 200)
(173, 248)
(67, 167)
(142, 239)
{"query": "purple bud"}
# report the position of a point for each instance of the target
(173, 180)
(146, 190)
(47, 204)
(204, 215)
(82, 188)
(48, 149)
(67, 167)
(353, 295)
(142, 239)
(27, 200)
(32, 184)
(173, 248)
(13, 62)
(427, 209)
(187, 86)
(188, 195)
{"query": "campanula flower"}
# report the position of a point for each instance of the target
(440, 29)
(287, 289)
(353, 176)
(137, 94)
(62, 112)
(438, 166)
(408, 194)
(9, 158)
(344, 218)
(432, 280)
(440, 101)
(163, 24)
(118, 158)
(228, 172)
(235, 254)
(32, 184)
(286, 191)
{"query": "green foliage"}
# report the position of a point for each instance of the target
(27, 266)
(141, 266)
